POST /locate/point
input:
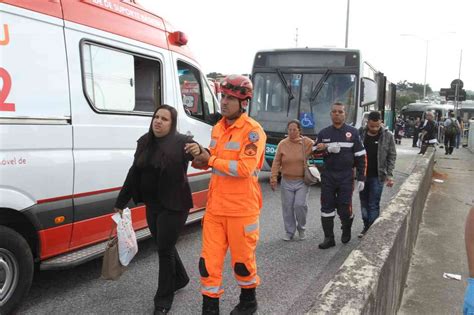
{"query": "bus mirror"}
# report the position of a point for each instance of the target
(368, 92)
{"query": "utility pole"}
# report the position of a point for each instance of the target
(347, 23)
(426, 69)
(457, 86)
(296, 38)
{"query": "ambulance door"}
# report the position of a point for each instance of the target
(197, 112)
(36, 173)
(115, 87)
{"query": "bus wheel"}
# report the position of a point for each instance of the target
(16, 269)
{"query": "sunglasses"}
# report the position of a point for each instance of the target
(243, 90)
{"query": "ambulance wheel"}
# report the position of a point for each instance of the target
(16, 269)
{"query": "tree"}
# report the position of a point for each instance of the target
(405, 86)
(409, 92)
(469, 95)
(214, 75)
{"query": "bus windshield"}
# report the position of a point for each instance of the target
(313, 94)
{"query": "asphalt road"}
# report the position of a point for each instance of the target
(292, 273)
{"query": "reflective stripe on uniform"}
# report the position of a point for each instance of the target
(213, 143)
(340, 144)
(232, 145)
(360, 153)
(214, 290)
(251, 227)
(256, 172)
(219, 173)
(233, 167)
(330, 214)
(253, 281)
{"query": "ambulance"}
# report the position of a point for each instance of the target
(79, 82)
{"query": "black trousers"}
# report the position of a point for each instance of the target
(165, 226)
(449, 143)
(415, 138)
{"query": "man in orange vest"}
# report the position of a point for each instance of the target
(236, 155)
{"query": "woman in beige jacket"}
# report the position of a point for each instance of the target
(289, 160)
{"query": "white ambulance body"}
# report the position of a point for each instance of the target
(80, 81)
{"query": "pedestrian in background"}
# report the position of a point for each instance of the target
(379, 144)
(341, 148)
(416, 132)
(451, 128)
(428, 133)
(236, 155)
(460, 134)
(399, 130)
(290, 159)
(158, 178)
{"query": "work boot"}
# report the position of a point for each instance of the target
(248, 303)
(328, 228)
(346, 230)
(210, 306)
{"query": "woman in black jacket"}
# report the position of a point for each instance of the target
(158, 178)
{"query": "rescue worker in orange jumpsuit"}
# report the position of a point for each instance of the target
(236, 155)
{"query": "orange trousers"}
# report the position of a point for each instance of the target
(219, 233)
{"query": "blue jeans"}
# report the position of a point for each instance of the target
(370, 200)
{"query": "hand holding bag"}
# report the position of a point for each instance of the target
(112, 269)
(311, 172)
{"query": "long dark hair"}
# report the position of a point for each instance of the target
(144, 154)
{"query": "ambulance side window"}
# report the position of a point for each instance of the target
(198, 101)
(118, 81)
(209, 101)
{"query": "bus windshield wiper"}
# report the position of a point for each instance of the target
(288, 90)
(320, 84)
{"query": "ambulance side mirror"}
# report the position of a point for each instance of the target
(214, 118)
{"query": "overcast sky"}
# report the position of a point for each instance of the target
(225, 35)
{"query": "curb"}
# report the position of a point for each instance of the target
(372, 278)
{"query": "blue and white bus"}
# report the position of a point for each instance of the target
(303, 84)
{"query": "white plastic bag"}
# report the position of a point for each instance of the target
(127, 240)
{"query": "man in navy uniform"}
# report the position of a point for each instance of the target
(342, 150)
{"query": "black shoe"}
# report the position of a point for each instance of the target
(160, 311)
(346, 230)
(366, 228)
(245, 308)
(346, 236)
(328, 242)
(210, 306)
(248, 303)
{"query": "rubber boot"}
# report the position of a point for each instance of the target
(346, 230)
(328, 228)
(247, 304)
(210, 306)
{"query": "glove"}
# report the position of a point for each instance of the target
(334, 149)
(469, 297)
(360, 185)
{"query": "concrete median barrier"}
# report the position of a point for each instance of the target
(372, 278)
